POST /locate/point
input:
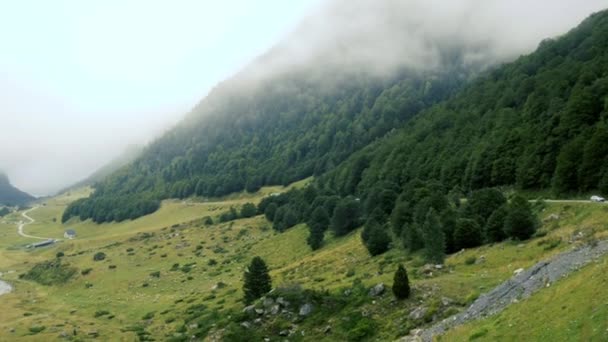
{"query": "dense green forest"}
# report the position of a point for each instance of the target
(537, 123)
(9, 195)
(276, 130)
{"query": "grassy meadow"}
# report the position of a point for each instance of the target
(159, 266)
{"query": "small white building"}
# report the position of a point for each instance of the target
(69, 234)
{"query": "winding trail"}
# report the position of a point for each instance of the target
(23, 224)
(520, 286)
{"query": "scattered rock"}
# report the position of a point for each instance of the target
(306, 309)
(259, 311)
(327, 329)
(445, 301)
(377, 290)
(250, 310)
(282, 302)
(416, 332)
(347, 292)
(518, 271)
(480, 260)
(284, 333)
(418, 313)
(552, 217)
(267, 302)
(246, 325)
(438, 266)
(275, 309)
(193, 326)
(428, 268)
(257, 321)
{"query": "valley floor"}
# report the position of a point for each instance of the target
(158, 268)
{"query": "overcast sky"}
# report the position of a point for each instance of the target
(80, 80)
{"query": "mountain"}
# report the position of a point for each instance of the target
(283, 119)
(539, 123)
(11, 196)
(128, 156)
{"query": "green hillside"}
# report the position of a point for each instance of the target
(538, 123)
(11, 196)
(171, 275)
(273, 125)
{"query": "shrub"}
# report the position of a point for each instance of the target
(101, 313)
(50, 273)
(467, 234)
(520, 222)
(99, 256)
(37, 329)
(248, 210)
(60, 255)
(470, 260)
(155, 274)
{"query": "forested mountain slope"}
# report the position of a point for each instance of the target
(537, 123)
(281, 120)
(9, 195)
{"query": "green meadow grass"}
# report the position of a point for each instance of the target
(139, 282)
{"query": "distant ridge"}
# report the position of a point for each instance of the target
(11, 196)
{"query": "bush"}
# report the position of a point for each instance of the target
(520, 222)
(99, 256)
(60, 255)
(248, 210)
(467, 234)
(52, 272)
(495, 227)
(470, 260)
(375, 238)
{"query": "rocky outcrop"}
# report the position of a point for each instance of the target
(522, 285)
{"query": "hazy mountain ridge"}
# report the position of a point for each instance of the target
(11, 196)
(276, 123)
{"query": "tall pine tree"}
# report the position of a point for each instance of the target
(401, 283)
(257, 281)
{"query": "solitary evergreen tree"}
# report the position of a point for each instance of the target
(270, 211)
(495, 228)
(345, 217)
(248, 210)
(401, 283)
(257, 281)
(467, 234)
(520, 222)
(434, 238)
(375, 238)
(318, 223)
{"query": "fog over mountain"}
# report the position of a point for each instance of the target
(76, 91)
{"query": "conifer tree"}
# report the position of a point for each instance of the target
(401, 283)
(520, 222)
(257, 281)
(434, 238)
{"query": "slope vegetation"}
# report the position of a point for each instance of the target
(537, 123)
